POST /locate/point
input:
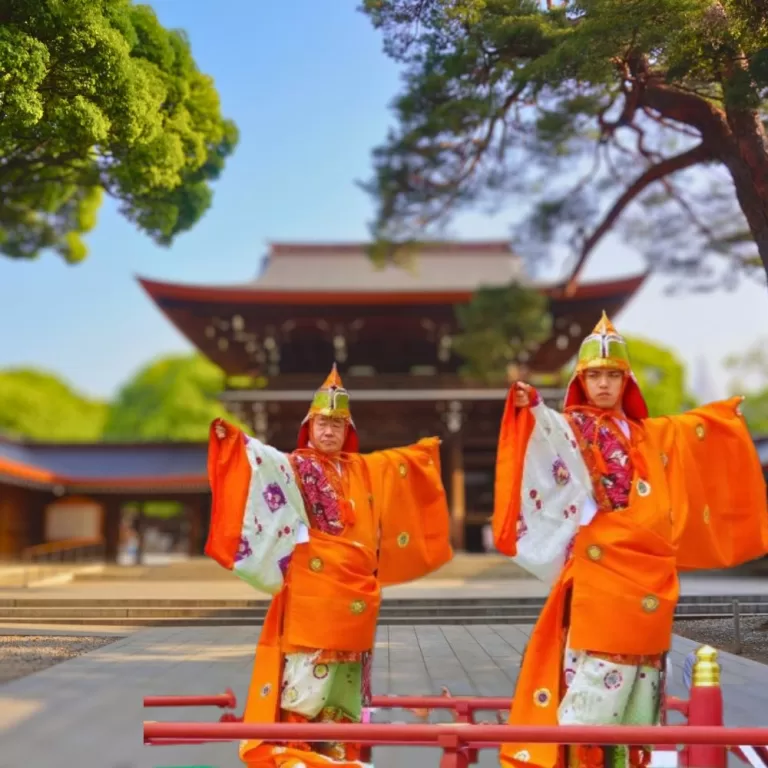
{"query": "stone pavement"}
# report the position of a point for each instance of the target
(235, 589)
(87, 713)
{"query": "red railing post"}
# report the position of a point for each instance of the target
(454, 753)
(705, 708)
(464, 714)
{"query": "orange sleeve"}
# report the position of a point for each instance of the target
(516, 429)
(717, 486)
(415, 521)
(229, 475)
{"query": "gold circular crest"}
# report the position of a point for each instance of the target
(357, 607)
(700, 431)
(403, 470)
(594, 552)
(650, 603)
(643, 488)
(292, 694)
(542, 697)
(403, 539)
(321, 671)
(316, 564)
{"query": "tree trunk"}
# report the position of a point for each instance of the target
(746, 158)
(736, 138)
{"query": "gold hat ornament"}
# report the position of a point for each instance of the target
(331, 399)
(605, 347)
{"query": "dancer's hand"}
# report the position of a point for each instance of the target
(522, 394)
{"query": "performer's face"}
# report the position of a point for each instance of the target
(328, 434)
(604, 387)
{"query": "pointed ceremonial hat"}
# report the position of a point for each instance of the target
(331, 400)
(605, 347)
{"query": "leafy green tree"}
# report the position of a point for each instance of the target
(501, 327)
(174, 398)
(39, 406)
(661, 103)
(662, 377)
(97, 97)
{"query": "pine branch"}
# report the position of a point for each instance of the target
(688, 159)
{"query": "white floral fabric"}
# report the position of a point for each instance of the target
(310, 685)
(602, 692)
(274, 516)
(555, 489)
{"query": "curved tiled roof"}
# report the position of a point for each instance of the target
(110, 467)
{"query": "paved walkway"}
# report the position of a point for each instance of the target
(86, 713)
(235, 589)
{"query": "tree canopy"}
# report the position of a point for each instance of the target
(97, 97)
(662, 377)
(584, 107)
(40, 406)
(750, 378)
(174, 398)
(501, 326)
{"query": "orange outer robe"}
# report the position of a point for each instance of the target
(698, 501)
(394, 529)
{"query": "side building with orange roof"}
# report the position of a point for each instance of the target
(82, 501)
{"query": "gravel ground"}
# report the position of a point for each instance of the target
(21, 655)
(719, 633)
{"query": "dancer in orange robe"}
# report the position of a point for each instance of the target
(607, 505)
(321, 529)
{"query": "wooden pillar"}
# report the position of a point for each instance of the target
(140, 529)
(456, 469)
(458, 500)
(195, 515)
(111, 528)
(205, 519)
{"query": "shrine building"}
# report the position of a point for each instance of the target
(389, 330)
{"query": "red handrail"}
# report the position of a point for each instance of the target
(476, 735)
(226, 700)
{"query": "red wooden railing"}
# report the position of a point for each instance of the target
(707, 740)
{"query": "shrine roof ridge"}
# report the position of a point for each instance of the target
(253, 292)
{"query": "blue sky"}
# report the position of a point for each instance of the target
(309, 88)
